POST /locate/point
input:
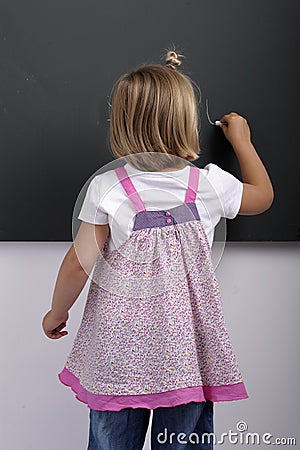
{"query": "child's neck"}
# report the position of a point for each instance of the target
(181, 166)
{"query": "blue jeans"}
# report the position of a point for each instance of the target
(176, 427)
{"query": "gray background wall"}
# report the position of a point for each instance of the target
(260, 286)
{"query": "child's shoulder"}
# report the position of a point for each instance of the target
(105, 178)
(213, 171)
(210, 169)
(224, 183)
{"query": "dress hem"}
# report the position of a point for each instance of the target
(175, 397)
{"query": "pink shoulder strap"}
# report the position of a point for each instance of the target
(192, 189)
(130, 190)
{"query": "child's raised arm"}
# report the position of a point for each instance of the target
(258, 192)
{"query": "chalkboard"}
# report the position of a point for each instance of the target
(60, 59)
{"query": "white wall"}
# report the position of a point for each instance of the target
(260, 284)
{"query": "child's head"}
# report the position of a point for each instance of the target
(155, 109)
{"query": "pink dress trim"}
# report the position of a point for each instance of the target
(191, 192)
(151, 401)
(134, 196)
(130, 189)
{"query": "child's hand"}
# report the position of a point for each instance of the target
(235, 129)
(52, 325)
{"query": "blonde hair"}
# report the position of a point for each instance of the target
(154, 109)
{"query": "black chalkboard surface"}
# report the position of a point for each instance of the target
(60, 59)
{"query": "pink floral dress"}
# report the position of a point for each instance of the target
(153, 332)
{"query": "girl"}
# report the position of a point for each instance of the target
(153, 335)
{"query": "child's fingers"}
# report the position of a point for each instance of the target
(61, 333)
(62, 325)
(228, 117)
(54, 334)
(228, 121)
(224, 123)
(235, 128)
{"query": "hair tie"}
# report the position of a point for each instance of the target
(172, 60)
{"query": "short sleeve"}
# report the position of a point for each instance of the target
(92, 211)
(229, 190)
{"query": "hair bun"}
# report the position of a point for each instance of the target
(172, 60)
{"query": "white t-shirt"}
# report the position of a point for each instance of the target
(219, 195)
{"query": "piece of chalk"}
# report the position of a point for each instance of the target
(218, 123)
